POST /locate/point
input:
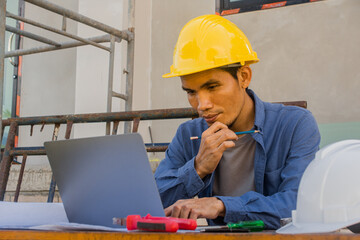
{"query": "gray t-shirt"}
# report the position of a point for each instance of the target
(234, 175)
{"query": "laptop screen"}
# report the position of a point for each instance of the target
(104, 177)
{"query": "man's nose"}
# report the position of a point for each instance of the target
(204, 102)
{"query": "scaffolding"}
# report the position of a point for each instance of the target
(113, 35)
(129, 117)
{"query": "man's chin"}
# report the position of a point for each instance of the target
(211, 123)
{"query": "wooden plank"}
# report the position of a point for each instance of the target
(47, 235)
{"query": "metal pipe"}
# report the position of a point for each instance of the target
(2, 60)
(21, 174)
(28, 150)
(98, 39)
(171, 113)
(18, 151)
(32, 36)
(110, 80)
(130, 62)
(119, 95)
(63, 26)
(156, 148)
(129, 82)
(136, 123)
(6, 160)
(40, 25)
(106, 117)
(53, 181)
(56, 132)
(80, 18)
(115, 127)
(52, 189)
(69, 125)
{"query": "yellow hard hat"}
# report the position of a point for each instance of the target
(207, 42)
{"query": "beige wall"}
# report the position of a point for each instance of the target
(92, 71)
(142, 62)
(308, 52)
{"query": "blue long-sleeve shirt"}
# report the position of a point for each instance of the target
(287, 142)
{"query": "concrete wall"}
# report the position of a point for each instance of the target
(307, 52)
(310, 52)
(92, 71)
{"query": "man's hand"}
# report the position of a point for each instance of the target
(209, 208)
(214, 141)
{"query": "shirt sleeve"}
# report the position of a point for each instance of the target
(254, 206)
(176, 176)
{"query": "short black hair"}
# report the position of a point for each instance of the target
(232, 70)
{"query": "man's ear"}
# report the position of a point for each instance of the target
(244, 75)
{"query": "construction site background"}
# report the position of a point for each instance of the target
(307, 52)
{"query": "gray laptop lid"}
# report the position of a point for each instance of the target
(104, 177)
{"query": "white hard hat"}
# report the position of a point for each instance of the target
(329, 191)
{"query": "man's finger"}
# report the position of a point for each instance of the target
(194, 214)
(214, 128)
(168, 211)
(225, 145)
(176, 211)
(224, 135)
(185, 211)
(219, 137)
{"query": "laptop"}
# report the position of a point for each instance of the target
(104, 177)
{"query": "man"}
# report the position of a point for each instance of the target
(236, 178)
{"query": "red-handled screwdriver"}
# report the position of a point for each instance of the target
(185, 224)
(134, 222)
(159, 224)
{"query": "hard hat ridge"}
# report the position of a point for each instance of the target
(207, 42)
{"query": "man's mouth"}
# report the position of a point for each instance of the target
(210, 118)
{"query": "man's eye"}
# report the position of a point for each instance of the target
(212, 87)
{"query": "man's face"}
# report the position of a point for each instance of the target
(215, 94)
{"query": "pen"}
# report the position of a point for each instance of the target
(237, 133)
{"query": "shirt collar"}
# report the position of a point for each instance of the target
(259, 111)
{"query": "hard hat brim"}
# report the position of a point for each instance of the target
(291, 228)
(170, 75)
(179, 74)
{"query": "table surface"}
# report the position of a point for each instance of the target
(82, 235)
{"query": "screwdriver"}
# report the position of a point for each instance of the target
(136, 222)
(184, 224)
(158, 224)
(245, 226)
(253, 226)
